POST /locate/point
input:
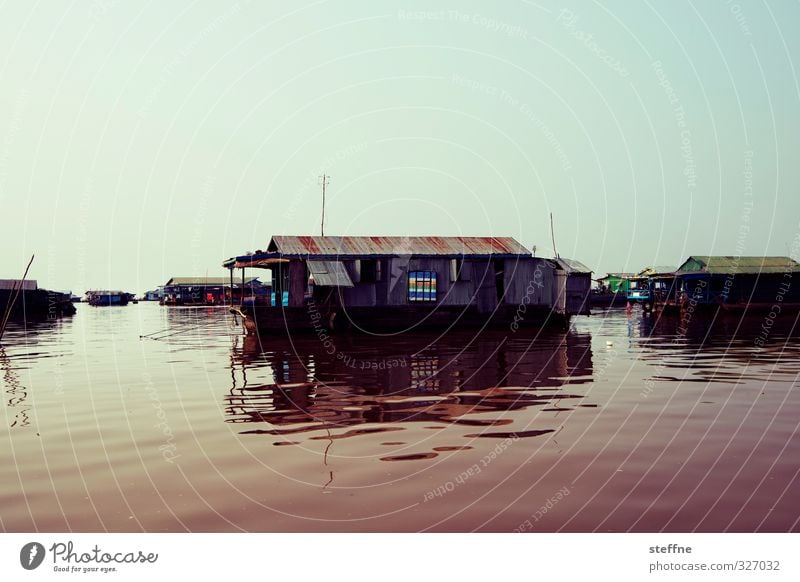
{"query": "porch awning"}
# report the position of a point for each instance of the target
(329, 274)
(255, 262)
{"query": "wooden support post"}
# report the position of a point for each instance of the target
(230, 289)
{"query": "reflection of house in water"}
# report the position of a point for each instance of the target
(298, 386)
(735, 349)
(424, 373)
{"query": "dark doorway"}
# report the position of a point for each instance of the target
(499, 279)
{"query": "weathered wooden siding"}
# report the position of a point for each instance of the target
(382, 286)
(360, 295)
(298, 279)
(483, 285)
(529, 280)
(559, 290)
(578, 288)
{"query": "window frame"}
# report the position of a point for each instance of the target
(458, 270)
(422, 286)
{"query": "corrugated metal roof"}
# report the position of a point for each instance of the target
(259, 261)
(360, 246)
(661, 269)
(329, 274)
(617, 276)
(27, 285)
(572, 266)
(739, 265)
(206, 281)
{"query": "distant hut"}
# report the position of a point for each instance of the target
(578, 285)
(211, 290)
(106, 298)
(738, 283)
(611, 289)
(642, 285)
(154, 295)
(24, 299)
(615, 282)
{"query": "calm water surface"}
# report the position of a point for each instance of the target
(615, 425)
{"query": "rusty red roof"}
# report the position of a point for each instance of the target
(396, 245)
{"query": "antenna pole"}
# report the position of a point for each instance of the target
(553, 235)
(324, 180)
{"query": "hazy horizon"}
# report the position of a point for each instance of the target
(143, 142)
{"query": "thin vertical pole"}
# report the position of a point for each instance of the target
(322, 226)
(553, 235)
(13, 299)
(325, 179)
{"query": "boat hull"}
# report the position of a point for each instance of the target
(36, 304)
(108, 300)
(395, 319)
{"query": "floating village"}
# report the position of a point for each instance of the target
(393, 284)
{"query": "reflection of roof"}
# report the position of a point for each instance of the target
(208, 281)
(572, 266)
(739, 265)
(27, 284)
(357, 246)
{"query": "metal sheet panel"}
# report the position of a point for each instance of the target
(329, 274)
(656, 270)
(572, 266)
(27, 284)
(206, 281)
(732, 265)
(359, 246)
(617, 276)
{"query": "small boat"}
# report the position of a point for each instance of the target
(106, 298)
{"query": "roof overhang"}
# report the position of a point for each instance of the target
(329, 273)
(257, 261)
(267, 260)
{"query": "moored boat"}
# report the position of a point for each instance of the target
(104, 298)
(24, 299)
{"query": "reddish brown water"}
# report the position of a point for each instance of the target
(612, 426)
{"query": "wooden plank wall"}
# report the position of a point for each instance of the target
(531, 280)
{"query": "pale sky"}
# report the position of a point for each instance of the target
(145, 140)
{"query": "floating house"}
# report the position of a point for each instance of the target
(578, 282)
(24, 299)
(392, 284)
(735, 283)
(211, 291)
(154, 295)
(611, 290)
(647, 283)
(615, 282)
(104, 298)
